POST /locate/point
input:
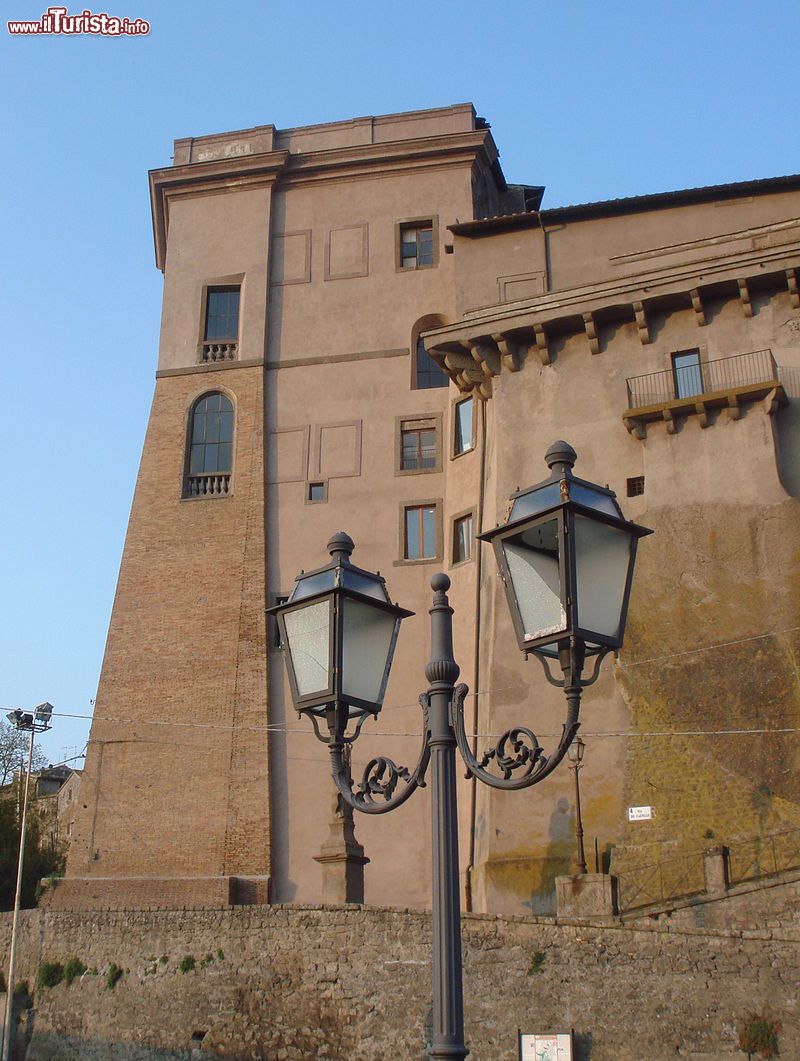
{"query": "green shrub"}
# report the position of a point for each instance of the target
(73, 969)
(759, 1035)
(113, 976)
(49, 974)
(187, 964)
(536, 963)
(220, 954)
(163, 959)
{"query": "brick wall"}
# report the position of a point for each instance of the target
(298, 982)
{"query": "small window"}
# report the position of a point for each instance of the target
(210, 456)
(428, 372)
(222, 314)
(317, 492)
(462, 538)
(635, 486)
(463, 440)
(687, 373)
(416, 245)
(418, 450)
(420, 532)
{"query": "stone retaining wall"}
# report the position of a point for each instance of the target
(286, 982)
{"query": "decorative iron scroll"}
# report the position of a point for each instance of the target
(516, 752)
(377, 792)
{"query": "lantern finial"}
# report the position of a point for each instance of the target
(560, 456)
(341, 545)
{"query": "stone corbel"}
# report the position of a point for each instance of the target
(702, 413)
(509, 352)
(669, 419)
(794, 293)
(637, 428)
(772, 402)
(591, 332)
(698, 307)
(541, 344)
(486, 355)
(744, 295)
(734, 409)
(641, 323)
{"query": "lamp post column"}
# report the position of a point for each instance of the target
(579, 823)
(442, 672)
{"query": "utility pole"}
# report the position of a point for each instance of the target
(36, 723)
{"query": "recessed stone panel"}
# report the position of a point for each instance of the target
(291, 258)
(336, 450)
(347, 252)
(288, 455)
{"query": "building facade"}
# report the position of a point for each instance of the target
(365, 327)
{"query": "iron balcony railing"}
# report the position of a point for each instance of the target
(688, 380)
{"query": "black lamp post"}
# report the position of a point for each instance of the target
(575, 756)
(566, 555)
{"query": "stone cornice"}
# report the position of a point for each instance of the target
(475, 349)
(294, 169)
(202, 178)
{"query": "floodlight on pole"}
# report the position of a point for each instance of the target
(34, 723)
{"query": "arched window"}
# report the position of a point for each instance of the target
(428, 372)
(209, 460)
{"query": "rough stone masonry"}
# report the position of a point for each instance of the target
(290, 982)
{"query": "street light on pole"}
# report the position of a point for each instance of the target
(566, 557)
(575, 756)
(34, 723)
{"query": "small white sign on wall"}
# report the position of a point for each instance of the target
(640, 814)
(547, 1047)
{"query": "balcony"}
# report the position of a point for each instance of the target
(693, 389)
(208, 484)
(213, 350)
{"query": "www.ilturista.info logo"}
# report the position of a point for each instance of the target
(56, 21)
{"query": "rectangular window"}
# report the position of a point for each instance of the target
(463, 435)
(418, 449)
(416, 245)
(222, 314)
(420, 532)
(317, 492)
(462, 538)
(429, 373)
(636, 486)
(688, 374)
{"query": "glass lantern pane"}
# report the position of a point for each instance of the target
(535, 501)
(308, 636)
(366, 650)
(602, 556)
(594, 499)
(533, 563)
(370, 587)
(312, 584)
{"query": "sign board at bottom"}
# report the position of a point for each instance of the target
(640, 814)
(545, 1047)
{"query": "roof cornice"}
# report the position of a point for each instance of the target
(296, 169)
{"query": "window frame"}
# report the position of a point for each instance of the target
(421, 422)
(187, 449)
(431, 502)
(419, 341)
(468, 513)
(316, 500)
(455, 454)
(216, 283)
(403, 224)
(674, 369)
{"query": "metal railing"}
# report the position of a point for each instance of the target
(671, 879)
(208, 485)
(701, 377)
(764, 855)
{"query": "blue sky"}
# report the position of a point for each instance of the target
(593, 100)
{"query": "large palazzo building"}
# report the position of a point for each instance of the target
(366, 328)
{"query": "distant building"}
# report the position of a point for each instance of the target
(365, 327)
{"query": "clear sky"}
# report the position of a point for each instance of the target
(593, 100)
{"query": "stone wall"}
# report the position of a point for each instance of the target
(287, 982)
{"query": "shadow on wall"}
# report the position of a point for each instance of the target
(786, 428)
(558, 859)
